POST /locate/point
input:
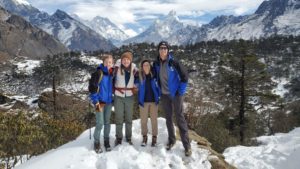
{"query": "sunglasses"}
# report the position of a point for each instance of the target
(163, 48)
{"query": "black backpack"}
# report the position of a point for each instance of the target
(94, 81)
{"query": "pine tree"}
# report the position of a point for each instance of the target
(246, 84)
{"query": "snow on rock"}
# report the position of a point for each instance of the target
(79, 154)
(288, 24)
(275, 152)
(91, 60)
(280, 90)
(26, 67)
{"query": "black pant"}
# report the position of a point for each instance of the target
(175, 105)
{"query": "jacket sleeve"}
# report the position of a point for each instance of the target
(183, 77)
(94, 98)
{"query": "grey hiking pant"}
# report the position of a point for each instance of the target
(123, 110)
(175, 105)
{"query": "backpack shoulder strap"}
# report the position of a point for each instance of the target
(100, 78)
(180, 69)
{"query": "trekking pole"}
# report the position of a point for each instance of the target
(90, 120)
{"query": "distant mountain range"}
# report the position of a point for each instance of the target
(272, 17)
(72, 33)
(19, 38)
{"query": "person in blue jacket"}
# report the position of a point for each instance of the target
(172, 79)
(148, 98)
(102, 99)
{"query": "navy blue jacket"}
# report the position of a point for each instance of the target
(105, 87)
(142, 90)
(177, 76)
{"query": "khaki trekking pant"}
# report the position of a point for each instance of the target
(152, 108)
(123, 113)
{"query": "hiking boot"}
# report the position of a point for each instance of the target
(97, 147)
(188, 152)
(129, 141)
(144, 143)
(170, 145)
(106, 145)
(154, 138)
(118, 141)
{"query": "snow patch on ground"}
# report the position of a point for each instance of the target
(91, 60)
(280, 90)
(275, 152)
(26, 67)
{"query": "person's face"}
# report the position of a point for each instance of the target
(146, 68)
(108, 62)
(163, 52)
(126, 62)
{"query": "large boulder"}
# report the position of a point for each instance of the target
(66, 104)
(7, 103)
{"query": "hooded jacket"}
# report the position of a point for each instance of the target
(177, 75)
(142, 90)
(105, 87)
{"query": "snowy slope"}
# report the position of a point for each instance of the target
(272, 17)
(281, 151)
(79, 154)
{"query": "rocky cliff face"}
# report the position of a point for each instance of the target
(19, 38)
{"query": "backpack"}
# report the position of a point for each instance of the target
(94, 81)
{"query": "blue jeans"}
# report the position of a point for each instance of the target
(103, 118)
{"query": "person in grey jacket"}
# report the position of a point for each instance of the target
(172, 79)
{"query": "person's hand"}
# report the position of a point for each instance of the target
(135, 90)
(99, 107)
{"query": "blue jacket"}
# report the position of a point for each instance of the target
(141, 92)
(177, 76)
(105, 87)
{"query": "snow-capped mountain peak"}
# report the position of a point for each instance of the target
(172, 15)
(22, 2)
(14, 2)
(168, 28)
(105, 28)
(61, 15)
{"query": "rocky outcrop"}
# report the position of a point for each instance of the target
(217, 160)
(7, 103)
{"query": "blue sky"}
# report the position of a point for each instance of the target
(134, 16)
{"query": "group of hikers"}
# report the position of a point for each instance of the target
(162, 81)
